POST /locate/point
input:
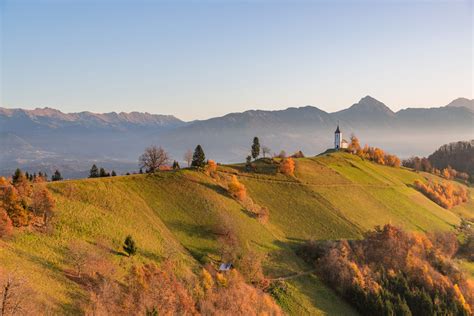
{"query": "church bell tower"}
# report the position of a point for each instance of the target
(337, 137)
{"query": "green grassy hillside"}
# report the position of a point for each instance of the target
(172, 214)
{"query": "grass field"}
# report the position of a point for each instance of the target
(172, 214)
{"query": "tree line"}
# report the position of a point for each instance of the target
(374, 154)
(95, 172)
(424, 164)
(459, 155)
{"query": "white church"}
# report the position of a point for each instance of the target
(339, 142)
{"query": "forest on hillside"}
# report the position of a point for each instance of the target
(458, 155)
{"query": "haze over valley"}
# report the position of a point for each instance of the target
(46, 139)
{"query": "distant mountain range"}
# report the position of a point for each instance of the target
(45, 139)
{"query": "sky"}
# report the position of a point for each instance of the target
(199, 59)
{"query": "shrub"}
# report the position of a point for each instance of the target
(263, 215)
(287, 166)
(129, 246)
(211, 166)
(237, 189)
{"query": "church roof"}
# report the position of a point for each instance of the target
(337, 130)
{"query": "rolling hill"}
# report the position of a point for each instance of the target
(172, 215)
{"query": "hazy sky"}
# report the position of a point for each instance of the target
(197, 59)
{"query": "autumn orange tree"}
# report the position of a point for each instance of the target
(354, 145)
(237, 189)
(6, 226)
(287, 166)
(211, 167)
(22, 200)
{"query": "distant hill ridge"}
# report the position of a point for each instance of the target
(366, 104)
(55, 117)
(49, 138)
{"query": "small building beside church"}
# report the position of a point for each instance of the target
(339, 142)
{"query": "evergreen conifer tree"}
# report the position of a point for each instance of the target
(113, 173)
(199, 158)
(17, 175)
(56, 176)
(176, 165)
(255, 148)
(102, 173)
(94, 172)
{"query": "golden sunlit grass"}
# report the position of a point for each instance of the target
(173, 214)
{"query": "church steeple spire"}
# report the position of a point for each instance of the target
(337, 137)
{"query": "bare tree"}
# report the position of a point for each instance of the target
(188, 157)
(266, 150)
(78, 256)
(15, 296)
(153, 158)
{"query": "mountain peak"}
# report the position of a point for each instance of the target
(462, 102)
(370, 104)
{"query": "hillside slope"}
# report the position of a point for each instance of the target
(172, 215)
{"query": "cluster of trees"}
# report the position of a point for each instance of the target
(95, 172)
(22, 201)
(152, 290)
(155, 158)
(392, 272)
(374, 154)
(459, 155)
(443, 193)
(424, 164)
(31, 176)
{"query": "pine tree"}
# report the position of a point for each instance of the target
(199, 158)
(102, 173)
(129, 246)
(17, 176)
(255, 148)
(94, 172)
(56, 176)
(176, 165)
(113, 173)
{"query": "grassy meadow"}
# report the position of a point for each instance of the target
(172, 215)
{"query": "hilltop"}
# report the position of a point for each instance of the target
(174, 214)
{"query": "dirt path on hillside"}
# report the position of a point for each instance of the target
(294, 275)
